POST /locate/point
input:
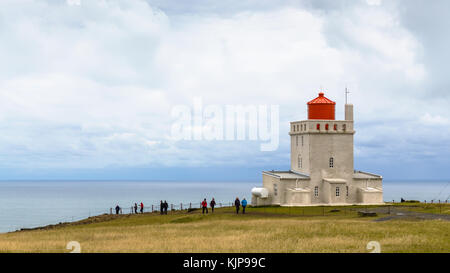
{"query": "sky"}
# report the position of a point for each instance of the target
(88, 88)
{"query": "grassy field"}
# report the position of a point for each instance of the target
(271, 229)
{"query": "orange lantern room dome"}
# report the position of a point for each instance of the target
(321, 108)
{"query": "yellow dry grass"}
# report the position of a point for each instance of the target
(225, 232)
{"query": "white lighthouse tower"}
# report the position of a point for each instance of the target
(322, 169)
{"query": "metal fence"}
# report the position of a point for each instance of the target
(171, 207)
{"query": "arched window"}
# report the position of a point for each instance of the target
(316, 191)
(344, 127)
(326, 126)
(335, 127)
(318, 126)
(304, 127)
(331, 162)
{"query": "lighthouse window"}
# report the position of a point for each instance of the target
(299, 162)
(302, 140)
(346, 187)
(331, 162)
(335, 127)
(326, 127)
(337, 191)
(275, 189)
(296, 140)
(297, 127)
(304, 127)
(316, 191)
(318, 126)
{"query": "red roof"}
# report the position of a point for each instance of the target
(321, 99)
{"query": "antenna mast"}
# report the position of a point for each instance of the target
(346, 93)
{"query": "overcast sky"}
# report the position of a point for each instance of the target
(87, 87)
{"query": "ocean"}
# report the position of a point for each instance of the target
(27, 204)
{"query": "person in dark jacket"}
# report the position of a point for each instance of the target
(212, 204)
(237, 204)
(142, 207)
(166, 206)
(117, 209)
(135, 208)
(204, 206)
(161, 207)
(244, 205)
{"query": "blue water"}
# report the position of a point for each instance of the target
(35, 203)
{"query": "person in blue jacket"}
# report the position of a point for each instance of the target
(244, 204)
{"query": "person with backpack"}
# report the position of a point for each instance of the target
(212, 204)
(237, 204)
(117, 209)
(244, 205)
(204, 206)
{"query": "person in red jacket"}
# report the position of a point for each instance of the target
(142, 207)
(204, 206)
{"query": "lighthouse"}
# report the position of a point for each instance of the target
(322, 170)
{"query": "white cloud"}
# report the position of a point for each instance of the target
(92, 85)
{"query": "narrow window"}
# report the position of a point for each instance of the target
(335, 127)
(296, 140)
(346, 187)
(299, 162)
(275, 189)
(297, 127)
(304, 127)
(326, 127)
(337, 191)
(302, 140)
(331, 162)
(344, 126)
(316, 191)
(318, 126)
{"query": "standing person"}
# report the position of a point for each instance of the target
(244, 204)
(237, 204)
(117, 209)
(166, 206)
(204, 206)
(161, 207)
(142, 207)
(135, 208)
(212, 204)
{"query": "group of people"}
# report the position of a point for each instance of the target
(136, 208)
(238, 204)
(163, 207)
(212, 204)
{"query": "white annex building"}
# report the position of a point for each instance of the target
(321, 170)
